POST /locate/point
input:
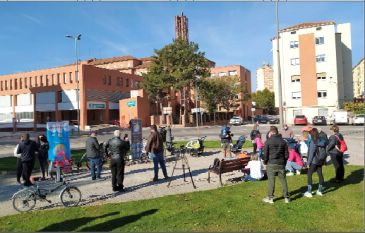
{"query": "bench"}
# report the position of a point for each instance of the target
(223, 166)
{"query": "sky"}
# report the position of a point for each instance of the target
(32, 34)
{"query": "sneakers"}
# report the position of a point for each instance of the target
(319, 193)
(290, 174)
(298, 172)
(307, 194)
(287, 200)
(268, 200)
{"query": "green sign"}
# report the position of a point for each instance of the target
(131, 103)
(96, 106)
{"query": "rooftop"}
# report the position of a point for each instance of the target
(307, 25)
(111, 60)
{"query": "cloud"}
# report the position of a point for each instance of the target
(113, 46)
(32, 18)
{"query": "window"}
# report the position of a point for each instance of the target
(319, 40)
(30, 82)
(40, 81)
(20, 83)
(64, 78)
(1, 85)
(104, 80)
(59, 96)
(296, 95)
(6, 85)
(70, 77)
(232, 73)
(321, 76)
(295, 78)
(293, 32)
(320, 58)
(322, 94)
(221, 74)
(25, 83)
(118, 81)
(294, 61)
(35, 81)
(110, 80)
(58, 79)
(121, 81)
(319, 28)
(46, 80)
(76, 76)
(127, 82)
(53, 82)
(294, 44)
(15, 84)
(11, 84)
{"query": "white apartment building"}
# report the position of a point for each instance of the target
(264, 78)
(358, 79)
(316, 69)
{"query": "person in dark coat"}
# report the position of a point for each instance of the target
(335, 154)
(316, 159)
(117, 150)
(93, 155)
(27, 149)
(43, 147)
(19, 166)
(155, 147)
(275, 158)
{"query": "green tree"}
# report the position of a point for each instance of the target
(357, 108)
(265, 99)
(176, 66)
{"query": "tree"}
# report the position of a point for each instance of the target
(265, 99)
(208, 90)
(175, 66)
(357, 108)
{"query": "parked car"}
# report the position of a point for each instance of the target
(236, 120)
(358, 119)
(273, 119)
(261, 119)
(319, 120)
(300, 120)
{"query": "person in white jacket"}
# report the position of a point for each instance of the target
(256, 169)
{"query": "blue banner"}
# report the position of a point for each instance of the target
(59, 142)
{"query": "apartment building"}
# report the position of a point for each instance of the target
(35, 97)
(264, 78)
(244, 75)
(316, 65)
(358, 79)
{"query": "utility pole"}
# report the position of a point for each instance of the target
(281, 123)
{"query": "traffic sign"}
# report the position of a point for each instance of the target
(131, 103)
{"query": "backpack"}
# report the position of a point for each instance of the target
(343, 147)
(224, 132)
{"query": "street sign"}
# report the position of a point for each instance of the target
(131, 103)
(253, 109)
(195, 110)
(167, 110)
(96, 105)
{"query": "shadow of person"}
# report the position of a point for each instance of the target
(354, 178)
(209, 153)
(118, 222)
(73, 224)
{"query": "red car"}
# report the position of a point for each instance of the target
(300, 120)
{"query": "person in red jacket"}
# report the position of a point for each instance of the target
(294, 163)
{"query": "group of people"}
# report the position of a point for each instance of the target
(281, 155)
(27, 152)
(116, 148)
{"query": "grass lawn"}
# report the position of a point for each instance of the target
(231, 208)
(9, 163)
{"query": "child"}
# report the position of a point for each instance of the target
(303, 151)
(256, 169)
(260, 145)
(295, 162)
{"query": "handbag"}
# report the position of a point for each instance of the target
(15, 150)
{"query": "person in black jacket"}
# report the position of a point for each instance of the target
(19, 166)
(117, 149)
(335, 154)
(275, 158)
(43, 147)
(93, 155)
(27, 148)
(316, 159)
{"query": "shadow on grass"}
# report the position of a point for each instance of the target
(330, 186)
(118, 222)
(73, 224)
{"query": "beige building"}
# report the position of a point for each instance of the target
(358, 79)
(264, 78)
(316, 65)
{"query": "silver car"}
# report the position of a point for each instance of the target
(236, 120)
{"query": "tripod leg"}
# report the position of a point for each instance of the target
(191, 176)
(183, 167)
(173, 170)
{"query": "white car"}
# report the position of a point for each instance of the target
(358, 120)
(236, 120)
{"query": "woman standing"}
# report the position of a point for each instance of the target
(316, 159)
(43, 147)
(335, 153)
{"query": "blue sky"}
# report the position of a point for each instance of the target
(33, 34)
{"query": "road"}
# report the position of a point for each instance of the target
(354, 136)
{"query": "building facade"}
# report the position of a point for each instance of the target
(244, 75)
(358, 79)
(316, 64)
(33, 98)
(264, 78)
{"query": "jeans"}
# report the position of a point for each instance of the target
(272, 170)
(291, 166)
(260, 152)
(117, 169)
(158, 158)
(254, 147)
(95, 163)
(311, 170)
(337, 160)
(249, 178)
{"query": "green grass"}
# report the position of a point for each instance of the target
(232, 208)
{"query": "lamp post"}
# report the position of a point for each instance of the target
(281, 123)
(76, 38)
(196, 104)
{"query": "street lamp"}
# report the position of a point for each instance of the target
(76, 38)
(281, 123)
(196, 104)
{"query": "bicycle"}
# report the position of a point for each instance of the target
(25, 200)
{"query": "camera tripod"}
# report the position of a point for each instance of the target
(185, 164)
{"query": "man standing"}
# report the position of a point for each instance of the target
(27, 149)
(155, 147)
(93, 154)
(117, 149)
(287, 132)
(275, 158)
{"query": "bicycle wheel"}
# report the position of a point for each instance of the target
(70, 196)
(24, 200)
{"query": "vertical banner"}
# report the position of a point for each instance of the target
(136, 135)
(59, 142)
